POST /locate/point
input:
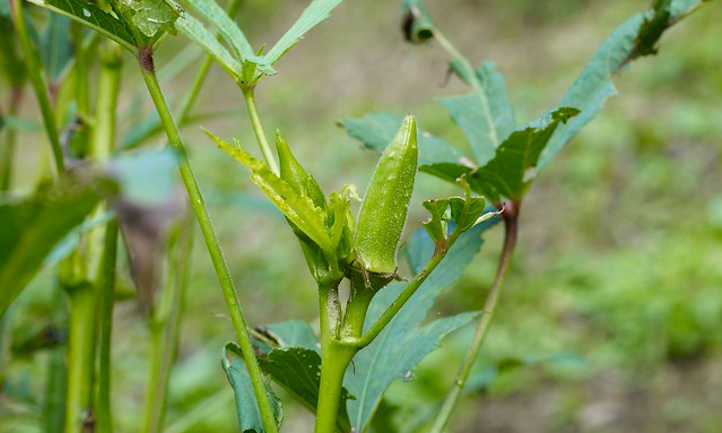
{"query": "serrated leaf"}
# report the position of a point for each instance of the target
(300, 210)
(296, 365)
(594, 85)
(485, 116)
(314, 13)
(375, 131)
(31, 227)
(510, 172)
(226, 26)
(196, 31)
(92, 16)
(249, 416)
(150, 17)
(56, 46)
(405, 342)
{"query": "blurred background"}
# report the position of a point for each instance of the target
(611, 318)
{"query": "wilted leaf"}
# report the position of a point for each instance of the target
(31, 227)
(404, 342)
(485, 116)
(249, 416)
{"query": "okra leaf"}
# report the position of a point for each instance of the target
(485, 115)
(31, 227)
(314, 13)
(249, 416)
(511, 171)
(226, 26)
(295, 365)
(92, 16)
(405, 341)
(634, 38)
(375, 131)
(56, 46)
(150, 17)
(417, 26)
(463, 213)
(196, 31)
(299, 209)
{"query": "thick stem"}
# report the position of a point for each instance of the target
(8, 153)
(250, 98)
(35, 74)
(80, 358)
(214, 249)
(511, 220)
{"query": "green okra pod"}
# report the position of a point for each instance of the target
(383, 212)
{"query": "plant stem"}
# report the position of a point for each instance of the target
(35, 74)
(57, 379)
(80, 357)
(250, 98)
(82, 88)
(8, 154)
(511, 220)
(214, 249)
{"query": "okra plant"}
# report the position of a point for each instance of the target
(99, 193)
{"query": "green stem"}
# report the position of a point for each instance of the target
(82, 88)
(214, 249)
(250, 98)
(80, 358)
(511, 219)
(57, 378)
(8, 154)
(35, 74)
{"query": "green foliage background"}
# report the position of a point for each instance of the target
(614, 300)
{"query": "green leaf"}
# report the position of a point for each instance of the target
(632, 39)
(511, 171)
(92, 16)
(377, 130)
(194, 30)
(249, 416)
(31, 227)
(314, 13)
(56, 46)
(299, 209)
(295, 365)
(405, 342)
(417, 26)
(226, 26)
(150, 17)
(485, 116)
(464, 213)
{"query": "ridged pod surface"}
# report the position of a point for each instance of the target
(383, 212)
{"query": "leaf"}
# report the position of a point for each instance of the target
(314, 13)
(464, 213)
(226, 26)
(485, 116)
(377, 130)
(31, 227)
(150, 17)
(296, 365)
(56, 46)
(510, 172)
(92, 16)
(249, 416)
(633, 38)
(405, 342)
(194, 29)
(300, 210)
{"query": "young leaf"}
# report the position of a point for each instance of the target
(405, 342)
(314, 13)
(92, 16)
(485, 116)
(195, 30)
(633, 38)
(375, 131)
(249, 416)
(510, 172)
(226, 26)
(299, 209)
(464, 213)
(31, 227)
